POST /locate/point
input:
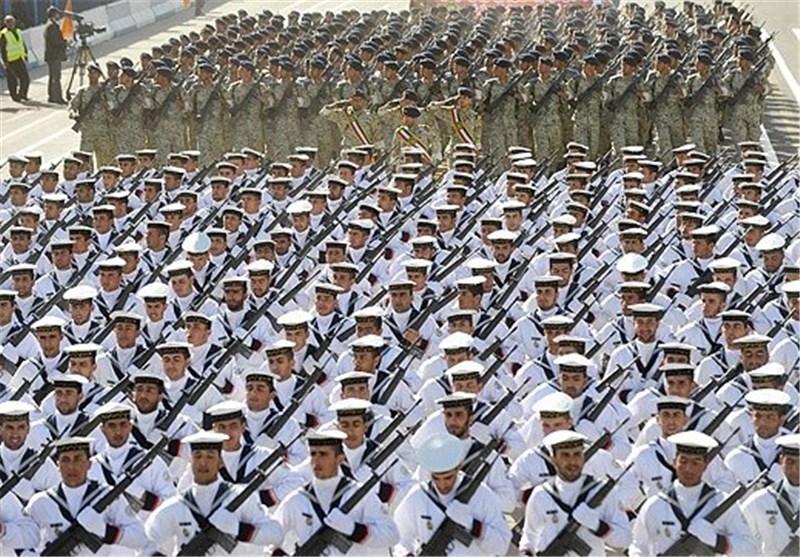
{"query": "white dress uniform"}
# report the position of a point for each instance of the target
(423, 510)
(178, 519)
(153, 486)
(654, 471)
(302, 513)
(547, 514)
(747, 461)
(771, 512)
(19, 531)
(658, 526)
(12, 461)
(680, 509)
(57, 508)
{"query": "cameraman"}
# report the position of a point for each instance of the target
(55, 52)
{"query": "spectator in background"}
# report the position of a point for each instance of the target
(55, 52)
(15, 59)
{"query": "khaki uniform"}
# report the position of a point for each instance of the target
(96, 132)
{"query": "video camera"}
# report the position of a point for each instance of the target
(84, 28)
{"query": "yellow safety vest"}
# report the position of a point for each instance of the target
(15, 46)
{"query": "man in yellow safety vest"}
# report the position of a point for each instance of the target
(15, 59)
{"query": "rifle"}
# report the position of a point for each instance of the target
(76, 534)
(92, 101)
(449, 530)
(202, 114)
(237, 108)
(123, 106)
(551, 90)
(158, 113)
(325, 536)
(297, 400)
(568, 539)
(490, 106)
(693, 98)
(689, 545)
(617, 101)
(603, 440)
(712, 426)
(27, 473)
(755, 72)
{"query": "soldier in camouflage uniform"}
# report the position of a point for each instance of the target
(665, 90)
(411, 133)
(747, 86)
(561, 60)
(353, 80)
(286, 109)
(387, 116)
(588, 107)
(459, 76)
(389, 86)
(247, 98)
(128, 116)
(315, 91)
(168, 132)
(458, 116)
(621, 96)
(703, 91)
(356, 125)
(428, 86)
(546, 94)
(527, 65)
(91, 105)
(207, 106)
(500, 112)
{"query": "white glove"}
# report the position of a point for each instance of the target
(136, 490)
(340, 522)
(240, 333)
(587, 516)
(225, 521)
(704, 531)
(362, 474)
(480, 431)
(93, 522)
(460, 513)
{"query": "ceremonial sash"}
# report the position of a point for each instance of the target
(355, 126)
(408, 137)
(460, 127)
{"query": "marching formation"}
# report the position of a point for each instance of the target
(408, 312)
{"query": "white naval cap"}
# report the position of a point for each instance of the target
(465, 370)
(715, 287)
(154, 290)
(295, 318)
(80, 293)
(350, 407)
(632, 263)
(456, 341)
(225, 410)
(563, 439)
(789, 443)
(205, 440)
(503, 236)
(768, 399)
(374, 342)
(326, 435)
(725, 264)
(791, 288)
(14, 410)
(692, 442)
(771, 242)
(441, 453)
(73, 444)
(299, 207)
(197, 242)
(553, 405)
(573, 363)
(113, 411)
(48, 322)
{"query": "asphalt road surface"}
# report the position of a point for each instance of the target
(39, 126)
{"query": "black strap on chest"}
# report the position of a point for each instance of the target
(549, 487)
(311, 495)
(706, 493)
(785, 506)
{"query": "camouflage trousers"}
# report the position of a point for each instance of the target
(102, 143)
(745, 124)
(703, 131)
(669, 134)
(586, 130)
(624, 129)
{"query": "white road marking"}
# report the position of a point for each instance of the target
(796, 32)
(767, 147)
(785, 70)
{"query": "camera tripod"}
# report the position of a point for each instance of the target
(83, 56)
